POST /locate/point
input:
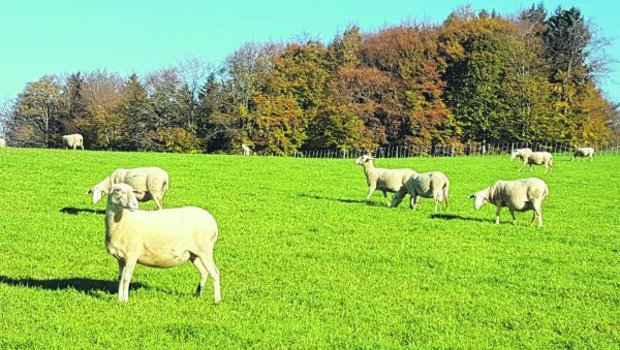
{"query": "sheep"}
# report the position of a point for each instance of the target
(2, 143)
(583, 153)
(428, 185)
(538, 158)
(520, 153)
(149, 183)
(386, 180)
(246, 149)
(73, 140)
(164, 238)
(517, 195)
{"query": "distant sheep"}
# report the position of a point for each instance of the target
(386, 180)
(428, 185)
(520, 153)
(2, 143)
(583, 153)
(148, 183)
(246, 149)
(517, 195)
(538, 158)
(164, 238)
(73, 141)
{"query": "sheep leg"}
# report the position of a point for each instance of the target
(121, 268)
(207, 259)
(521, 167)
(371, 190)
(123, 290)
(537, 213)
(157, 200)
(514, 218)
(497, 214)
(411, 203)
(397, 198)
(387, 202)
(204, 274)
(414, 198)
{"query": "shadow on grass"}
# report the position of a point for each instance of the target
(87, 286)
(76, 211)
(341, 200)
(455, 217)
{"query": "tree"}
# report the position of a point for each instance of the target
(38, 110)
(137, 114)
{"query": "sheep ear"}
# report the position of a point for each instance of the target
(90, 191)
(470, 196)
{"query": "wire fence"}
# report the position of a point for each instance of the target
(603, 148)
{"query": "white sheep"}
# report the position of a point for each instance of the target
(245, 149)
(149, 183)
(164, 238)
(73, 140)
(583, 153)
(538, 158)
(428, 185)
(517, 195)
(386, 180)
(520, 153)
(2, 143)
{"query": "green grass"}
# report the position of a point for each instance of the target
(305, 263)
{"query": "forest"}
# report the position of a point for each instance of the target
(476, 77)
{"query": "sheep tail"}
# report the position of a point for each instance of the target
(446, 187)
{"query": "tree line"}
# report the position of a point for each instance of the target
(475, 78)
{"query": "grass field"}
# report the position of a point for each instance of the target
(305, 263)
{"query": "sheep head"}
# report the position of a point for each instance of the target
(97, 192)
(123, 195)
(364, 159)
(479, 198)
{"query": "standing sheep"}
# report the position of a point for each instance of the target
(2, 143)
(386, 180)
(428, 185)
(538, 158)
(164, 238)
(245, 149)
(74, 141)
(583, 153)
(520, 153)
(149, 183)
(517, 195)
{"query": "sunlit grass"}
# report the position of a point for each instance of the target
(305, 263)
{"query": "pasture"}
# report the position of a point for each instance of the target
(305, 263)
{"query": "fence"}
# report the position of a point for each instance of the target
(607, 148)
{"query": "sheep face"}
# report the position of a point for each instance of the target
(97, 192)
(123, 195)
(363, 159)
(513, 156)
(479, 199)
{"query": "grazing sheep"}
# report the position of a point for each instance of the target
(428, 185)
(164, 238)
(583, 153)
(538, 158)
(386, 180)
(73, 140)
(517, 195)
(149, 183)
(2, 143)
(520, 153)
(246, 149)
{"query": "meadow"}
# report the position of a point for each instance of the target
(306, 263)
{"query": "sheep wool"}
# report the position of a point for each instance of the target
(164, 238)
(518, 195)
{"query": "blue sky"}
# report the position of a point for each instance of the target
(125, 36)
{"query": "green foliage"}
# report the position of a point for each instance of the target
(306, 264)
